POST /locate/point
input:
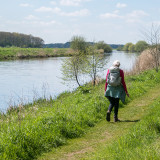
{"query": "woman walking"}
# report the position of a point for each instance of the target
(115, 89)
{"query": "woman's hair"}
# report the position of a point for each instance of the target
(116, 63)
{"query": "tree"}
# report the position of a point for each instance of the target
(141, 46)
(86, 60)
(120, 48)
(131, 48)
(79, 44)
(126, 46)
(72, 68)
(153, 38)
(20, 40)
(95, 63)
(104, 46)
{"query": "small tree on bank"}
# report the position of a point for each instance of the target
(95, 63)
(86, 60)
(72, 67)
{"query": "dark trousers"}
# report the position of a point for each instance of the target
(114, 102)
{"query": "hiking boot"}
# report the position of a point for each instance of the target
(116, 119)
(108, 116)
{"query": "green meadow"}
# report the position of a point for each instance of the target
(30, 130)
(21, 53)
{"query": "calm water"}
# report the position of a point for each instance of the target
(22, 81)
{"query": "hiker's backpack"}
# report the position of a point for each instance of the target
(113, 77)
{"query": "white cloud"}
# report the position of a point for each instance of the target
(31, 17)
(44, 9)
(155, 23)
(121, 5)
(13, 22)
(136, 16)
(38, 23)
(116, 11)
(72, 2)
(43, 23)
(110, 15)
(53, 2)
(83, 12)
(48, 9)
(25, 5)
(57, 10)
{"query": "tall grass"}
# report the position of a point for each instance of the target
(145, 61)
(30, 130)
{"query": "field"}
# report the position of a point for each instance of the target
(21, 53)
(28, 131)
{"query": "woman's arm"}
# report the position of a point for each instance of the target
(123, 82)
(106, 80)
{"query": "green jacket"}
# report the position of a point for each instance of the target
(116, 92)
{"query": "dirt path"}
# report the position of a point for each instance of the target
(104, 133)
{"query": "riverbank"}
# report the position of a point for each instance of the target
(26, 53)
(31, 130)
(135, 137)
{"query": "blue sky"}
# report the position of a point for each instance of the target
(56, 21)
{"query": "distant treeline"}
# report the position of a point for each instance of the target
(67, 45)
(130, 47)
(8, 39)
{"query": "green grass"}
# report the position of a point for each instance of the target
(141, 142)
(31, 130)
(20, 53)
(94, 144)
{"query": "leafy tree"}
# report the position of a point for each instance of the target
(20, 40)
(86, 60)
(141, 46)
(95, 63)
(126, 46)
(79, 44)
(131, 48)
(120, 48)
(104, 46)
(72, 68)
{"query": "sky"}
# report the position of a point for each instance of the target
(57, 21)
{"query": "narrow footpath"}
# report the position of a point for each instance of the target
(104, 133)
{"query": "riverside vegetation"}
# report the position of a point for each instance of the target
(77, 44)
(13, 53)
(21, 53)
(30, 130)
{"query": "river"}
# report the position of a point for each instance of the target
(23, 81)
